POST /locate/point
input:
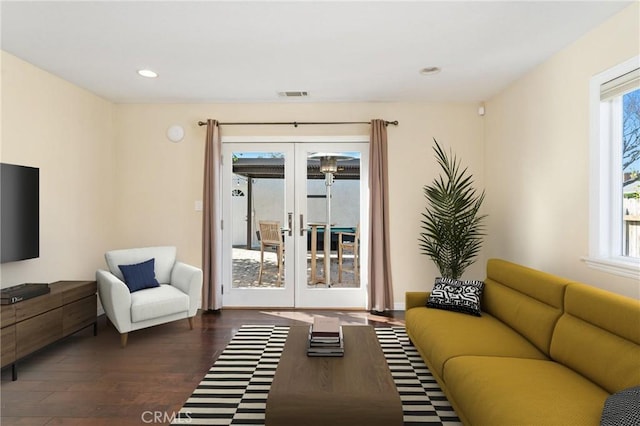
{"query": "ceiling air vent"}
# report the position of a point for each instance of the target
(293, 94)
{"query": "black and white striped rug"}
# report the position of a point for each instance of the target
(234, 391)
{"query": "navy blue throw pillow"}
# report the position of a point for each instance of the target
(139, 276)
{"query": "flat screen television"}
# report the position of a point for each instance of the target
(19, 212)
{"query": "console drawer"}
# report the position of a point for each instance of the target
(37, 332)
(79, 314)
(8, 345)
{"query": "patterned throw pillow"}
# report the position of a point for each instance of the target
(456, 295)
(622, 408)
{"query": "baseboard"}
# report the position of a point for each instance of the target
(398, 306)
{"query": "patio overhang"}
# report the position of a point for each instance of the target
(273, 168)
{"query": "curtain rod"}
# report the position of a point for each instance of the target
(295, 123)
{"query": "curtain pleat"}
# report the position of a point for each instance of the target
(212, 220)
(380, 284)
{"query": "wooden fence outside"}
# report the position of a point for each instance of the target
(631, 219)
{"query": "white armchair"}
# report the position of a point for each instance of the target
(178, 296)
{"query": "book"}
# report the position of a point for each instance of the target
(325, 327)
(325, 341)
(314, 344)
(325, 354)
(337, 351)
(21, 292)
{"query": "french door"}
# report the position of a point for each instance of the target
(317, 257)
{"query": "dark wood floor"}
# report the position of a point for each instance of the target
(87, 380)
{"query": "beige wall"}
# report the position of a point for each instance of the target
(111, 179)
(537, 150)
(159, 181)
(67, 132)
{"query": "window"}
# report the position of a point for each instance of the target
(614, 235)
(631, 172)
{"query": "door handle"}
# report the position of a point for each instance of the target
(290, 223)
(302, 228)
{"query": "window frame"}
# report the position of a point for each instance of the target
(605, 184)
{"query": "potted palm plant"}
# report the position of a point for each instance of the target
(452, 225)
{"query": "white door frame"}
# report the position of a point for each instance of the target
(294, 291)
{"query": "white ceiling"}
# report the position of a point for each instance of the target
(236, 51)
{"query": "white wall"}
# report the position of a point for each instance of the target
(537, 152)
(268, 202)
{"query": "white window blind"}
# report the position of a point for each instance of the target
(619, 86)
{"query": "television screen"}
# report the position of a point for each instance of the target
(19, 212)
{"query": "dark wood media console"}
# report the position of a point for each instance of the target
(32, 324)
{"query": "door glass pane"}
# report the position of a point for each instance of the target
(333, 209)
(257, 205)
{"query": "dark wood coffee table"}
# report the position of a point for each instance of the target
(356, 389)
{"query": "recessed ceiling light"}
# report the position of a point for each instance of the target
(148, 73)
(430, 70)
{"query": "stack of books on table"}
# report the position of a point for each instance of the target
(325, 337)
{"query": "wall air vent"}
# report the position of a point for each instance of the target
(293, 94)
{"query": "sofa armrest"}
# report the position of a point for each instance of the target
(414, 299)
(188, 279)
(115, 299)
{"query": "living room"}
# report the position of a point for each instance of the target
(110, 178)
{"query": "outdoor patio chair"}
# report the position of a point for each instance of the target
(349, 244)
(271, 237)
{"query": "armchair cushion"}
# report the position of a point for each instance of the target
(139, 275)
(157, 302)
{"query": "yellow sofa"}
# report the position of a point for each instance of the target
(546, 351)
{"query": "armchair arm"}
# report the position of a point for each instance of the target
(116, 300)
(414, 299)
(188, 279)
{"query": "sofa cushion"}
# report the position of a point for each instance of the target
(516, 391)
(164, 257)
(542, 286)
(139, 276)
(443, 335)
(611, 320)
(527, 300)
(455, 295)
(157, 302)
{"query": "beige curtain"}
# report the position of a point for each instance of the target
(380, 286)
(212, 219)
